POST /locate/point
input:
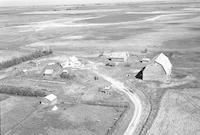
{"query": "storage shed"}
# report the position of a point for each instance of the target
(118, 56)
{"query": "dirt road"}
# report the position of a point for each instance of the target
(132, 96)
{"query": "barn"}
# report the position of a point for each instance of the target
(159, 69)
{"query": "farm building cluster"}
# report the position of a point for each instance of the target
(157, 69)
(50, 68)
(54, 68)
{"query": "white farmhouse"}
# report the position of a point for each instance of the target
(50, 99)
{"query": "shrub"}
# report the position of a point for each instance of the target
(67, 76)
(96, 78)
(110, 64)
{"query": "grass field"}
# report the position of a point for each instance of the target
(14, 110)
(70, 119)
(179, 114)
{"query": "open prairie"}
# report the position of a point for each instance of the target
(131, 26)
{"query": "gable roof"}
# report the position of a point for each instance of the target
(71, 62)
(164, 61)
(51, 97)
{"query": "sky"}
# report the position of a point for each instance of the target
(5, 3)
(53, 2)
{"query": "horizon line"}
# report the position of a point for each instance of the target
(95, 3)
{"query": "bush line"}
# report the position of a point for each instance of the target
(16, 61)
(22, 91)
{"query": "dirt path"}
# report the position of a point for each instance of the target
(132, 96)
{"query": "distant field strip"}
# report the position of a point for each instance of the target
(71, 11)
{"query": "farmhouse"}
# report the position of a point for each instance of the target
(159, 69)
(52, 68)
(71, 62)
(56, 66)
(49, 100)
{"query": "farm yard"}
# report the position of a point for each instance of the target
(80, 92)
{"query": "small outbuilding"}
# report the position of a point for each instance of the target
(48, 72)
(105, 90)
(50, 99)
(64, 73)
(158, 69)
(110, 64)
(107, 87)
(145, 60)
(32, 64)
